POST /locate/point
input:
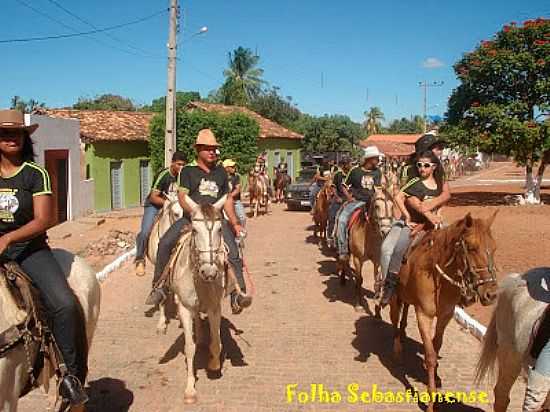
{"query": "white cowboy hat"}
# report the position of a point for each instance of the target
(371, 151)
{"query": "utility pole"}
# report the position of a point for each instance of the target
(425, 85)
(170, 128)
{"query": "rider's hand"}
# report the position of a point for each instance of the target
(409, 222)
(238, 229)
(4, 243)
(434, 219)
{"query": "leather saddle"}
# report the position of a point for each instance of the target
(32, 329)
(356, 215)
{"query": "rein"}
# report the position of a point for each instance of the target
(211, 251)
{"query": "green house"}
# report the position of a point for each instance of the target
(280, 143)
(115, 154)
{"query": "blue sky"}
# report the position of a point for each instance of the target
(325, 54)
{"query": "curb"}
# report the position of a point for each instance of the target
(101, 276)
(473, 326)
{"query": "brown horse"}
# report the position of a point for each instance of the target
(257, 189)
(365, 240)
(320, 210)
(450, 266)
(282, 180)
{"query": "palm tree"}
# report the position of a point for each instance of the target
(372, 120)
(243, 79)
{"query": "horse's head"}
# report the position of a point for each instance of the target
(476, 248)
(175, 211)
(207, 241)
(381, 211)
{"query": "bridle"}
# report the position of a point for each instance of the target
(469, 279)
(211, 252)
(387, 219)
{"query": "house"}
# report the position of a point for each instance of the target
(116, 155)
(394, 146)
(280, 143)
(57, 147)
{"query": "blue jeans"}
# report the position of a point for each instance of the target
(542, 364)
(333, 208)
(314, 190)
(149, 214)
(401, 246)
(342, 229)
(239, 211)
(388, 246)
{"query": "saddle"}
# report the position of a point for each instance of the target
(356, 215)
(33, 328)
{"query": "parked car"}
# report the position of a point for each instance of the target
(297, 193)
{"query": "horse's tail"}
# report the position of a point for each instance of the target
(487, 359)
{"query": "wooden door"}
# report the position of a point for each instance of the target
(57, 165)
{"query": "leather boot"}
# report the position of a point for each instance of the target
(390, 284)
(157, 296)
(71, 389)
(538, 388)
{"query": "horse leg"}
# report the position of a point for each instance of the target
(186, 316)
(395, 313)
(214, 321)
(341, 271)
(358, 266)
(162, 324)
(509, 368)
(441, 323)
(430, 356)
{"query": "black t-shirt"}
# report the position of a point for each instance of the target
(416, 188)
(338, 180)
(362, 183)
(202, 186)
(233, 181)
(163, 181)
(16, 202)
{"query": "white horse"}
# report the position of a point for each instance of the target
(170, 212)
(13, 366)
(508, 337)
(199, 283)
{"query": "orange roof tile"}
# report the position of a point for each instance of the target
(396, 138)
(268, 128)
(106, 125)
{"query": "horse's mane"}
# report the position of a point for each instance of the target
(209, 212)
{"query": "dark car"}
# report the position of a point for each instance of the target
(297, 193)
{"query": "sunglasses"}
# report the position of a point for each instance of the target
(421, 165)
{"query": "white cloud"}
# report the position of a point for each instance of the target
(432, 63)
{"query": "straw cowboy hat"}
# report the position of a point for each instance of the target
(229, 163)
(15, 120)
(371, 151)
(206, 138)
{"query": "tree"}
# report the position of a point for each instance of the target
(503, 98)
(105, 102)
(272, 105)
(243, 79)
(182, 99)
(237, 134)
(26, 106)
(328, 133)
(373, 118)
(404, 125)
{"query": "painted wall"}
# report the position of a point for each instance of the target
(99, 156)
(64, 134)
(283, 146)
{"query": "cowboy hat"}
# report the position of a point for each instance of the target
(427, 142)
(206, 138)
(15, 120)
(371, 151)
(229, 163)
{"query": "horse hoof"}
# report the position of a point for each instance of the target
(162, 330)
(189, 399)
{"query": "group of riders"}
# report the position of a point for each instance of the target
(27, 212)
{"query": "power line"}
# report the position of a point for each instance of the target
(86, 33)
(93, 26)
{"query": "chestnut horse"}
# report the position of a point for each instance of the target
(450, 266)
(320, 210)
(282, 180)
(365, 240)
(257, 189)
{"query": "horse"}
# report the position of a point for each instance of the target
(170, 212)
(365, 240)
(199, 281)
(320, 210)
(507, 340)
(15, 363)
(258, 194)
(282, 180)
(450, 266)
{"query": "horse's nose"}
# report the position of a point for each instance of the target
(491, 295)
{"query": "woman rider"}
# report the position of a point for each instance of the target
(26, 212)
(429, 185)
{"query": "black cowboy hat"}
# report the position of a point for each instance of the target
(427, 142)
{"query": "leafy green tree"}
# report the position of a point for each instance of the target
(105, 102)
(237, 134)
(404, 125)
(272, 105)
(373, 118)
(243, 79)
(329, 133)
(26, 106)
(182, 99)
(503, 98)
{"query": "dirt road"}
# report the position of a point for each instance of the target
(300, 330)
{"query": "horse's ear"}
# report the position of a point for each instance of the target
(492, 218)
(191, 204)
(469, 220)
(219, 204)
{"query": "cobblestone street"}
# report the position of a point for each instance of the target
(300, 330)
